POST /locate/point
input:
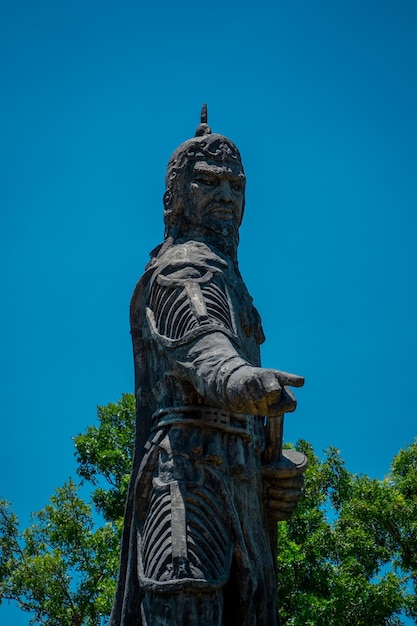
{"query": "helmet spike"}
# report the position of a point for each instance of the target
(203, 128)
(204, 114)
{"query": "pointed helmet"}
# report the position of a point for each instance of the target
(204, 146)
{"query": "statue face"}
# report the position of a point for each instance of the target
(216, 195)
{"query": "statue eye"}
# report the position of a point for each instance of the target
(208, 182)
(236, 185)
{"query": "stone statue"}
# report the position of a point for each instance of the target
(204, 489)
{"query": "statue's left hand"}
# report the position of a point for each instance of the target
(282, 495)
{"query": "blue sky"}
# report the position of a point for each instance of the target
(320, 98)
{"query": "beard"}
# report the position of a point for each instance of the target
(213, 224)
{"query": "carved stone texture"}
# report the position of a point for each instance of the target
(206, 484)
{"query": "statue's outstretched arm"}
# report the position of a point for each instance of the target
(218, 372)
(191, 317)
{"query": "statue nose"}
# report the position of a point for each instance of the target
(225, 191)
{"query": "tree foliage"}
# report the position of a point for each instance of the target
(104, 455)
(60, 568)
(347, 557)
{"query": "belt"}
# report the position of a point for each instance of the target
(204, 417)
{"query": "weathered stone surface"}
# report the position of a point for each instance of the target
(209, 481)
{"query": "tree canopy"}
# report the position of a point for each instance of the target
(61, 568)
(348, 556)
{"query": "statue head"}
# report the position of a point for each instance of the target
(205, 187)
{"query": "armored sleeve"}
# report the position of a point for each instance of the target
(189, 303)
(191, 317)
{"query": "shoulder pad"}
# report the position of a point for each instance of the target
(189, 300)
(189, 254)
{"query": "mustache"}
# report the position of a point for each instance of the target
(226, 210)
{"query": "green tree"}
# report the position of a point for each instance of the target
(104, 455)
(61, 569)
(348, 556)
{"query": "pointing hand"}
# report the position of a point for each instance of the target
(262, 391)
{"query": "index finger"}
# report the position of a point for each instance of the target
(290, 379)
